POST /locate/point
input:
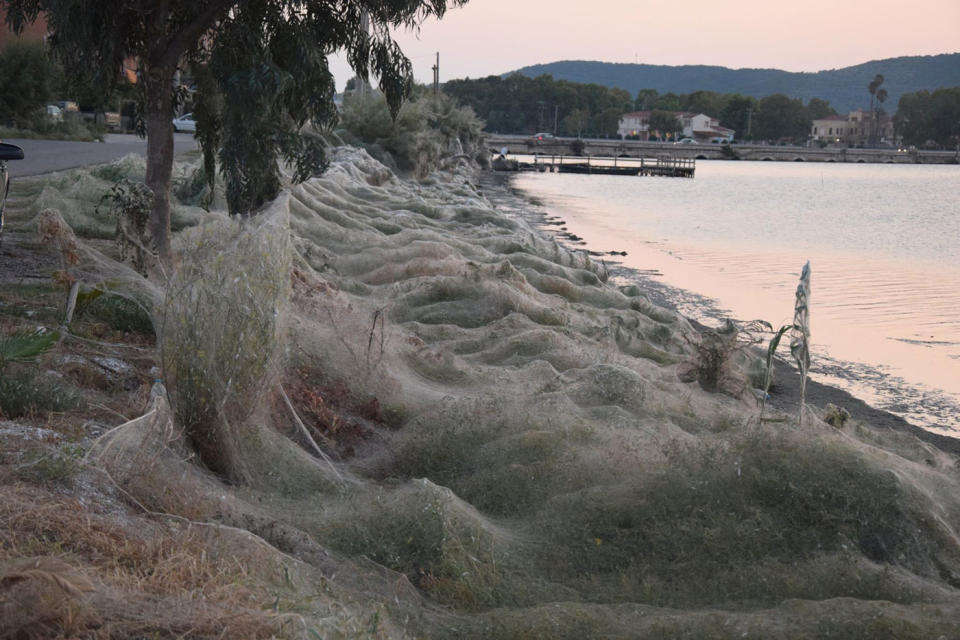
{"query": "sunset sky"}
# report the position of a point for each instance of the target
(495, 36)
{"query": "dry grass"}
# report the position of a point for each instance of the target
(67, 570)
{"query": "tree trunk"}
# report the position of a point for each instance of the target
(159, 121)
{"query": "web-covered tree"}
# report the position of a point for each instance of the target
(262, 66)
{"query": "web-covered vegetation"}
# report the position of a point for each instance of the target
(430, 420)
(428, 132)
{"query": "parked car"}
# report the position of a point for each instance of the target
(112, 120)
(686, 141)
(185, 123)
(55, 113)
(540, 137)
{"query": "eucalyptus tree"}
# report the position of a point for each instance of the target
(264, 60)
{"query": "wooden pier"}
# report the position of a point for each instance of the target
(598, 165)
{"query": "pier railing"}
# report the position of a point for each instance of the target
(667, 166)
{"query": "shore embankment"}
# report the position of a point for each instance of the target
(433, 420)
(785, 393)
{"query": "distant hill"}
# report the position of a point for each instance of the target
(845, 89)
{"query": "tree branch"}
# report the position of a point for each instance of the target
(193, 30)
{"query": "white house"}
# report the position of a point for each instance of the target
(634, 124)
(698, 126)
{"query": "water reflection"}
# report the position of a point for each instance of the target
(882, 239)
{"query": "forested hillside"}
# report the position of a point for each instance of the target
(521, 105)
(844, 89)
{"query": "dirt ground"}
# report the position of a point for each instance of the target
(23, 261)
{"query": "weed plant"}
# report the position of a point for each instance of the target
(23, 390)
(56, 465)
(26, 392)
(219, 332)
(117, 312)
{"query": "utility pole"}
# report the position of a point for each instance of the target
(541, 104)
(556, 111)
(436, 77)
(749, 120)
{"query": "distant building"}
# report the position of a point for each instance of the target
(634, 124)
(35, 31)
(856, 128)
(698, 126)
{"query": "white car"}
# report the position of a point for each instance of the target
(686, 141)
(185, 123)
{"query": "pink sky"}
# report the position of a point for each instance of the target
(487, 37)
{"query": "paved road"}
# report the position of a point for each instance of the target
(44, 156)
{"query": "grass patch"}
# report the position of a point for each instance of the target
(151, 581)
(49, 465)
(117, 312)
(26, 392)
(75, 132)
(38, 303)
(760, 520)
(439, 542)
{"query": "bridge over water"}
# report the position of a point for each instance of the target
(638, 149)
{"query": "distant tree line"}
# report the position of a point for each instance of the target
(521, 105)
(929, 119)
(31, 78)
(518, 104)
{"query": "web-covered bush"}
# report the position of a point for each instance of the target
(429, 131)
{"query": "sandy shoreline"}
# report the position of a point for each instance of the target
(785, 393)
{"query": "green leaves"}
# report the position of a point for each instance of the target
(768, 372)
(25, 346)
(799, 340)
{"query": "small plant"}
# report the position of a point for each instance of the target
(54, 230)
(193, 188)
(23, 392)
(117, 312)
(800, 334)
(131, 203)
(835, 416)
(50, 465)
(714, 366)
(768, 373)
(799, 340)
(25, 346)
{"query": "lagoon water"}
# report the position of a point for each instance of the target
(883, 242)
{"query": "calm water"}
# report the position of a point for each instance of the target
(883, 242)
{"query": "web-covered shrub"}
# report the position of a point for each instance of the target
(428, 132)
(220, 333)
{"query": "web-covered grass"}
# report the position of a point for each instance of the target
(448, 415)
